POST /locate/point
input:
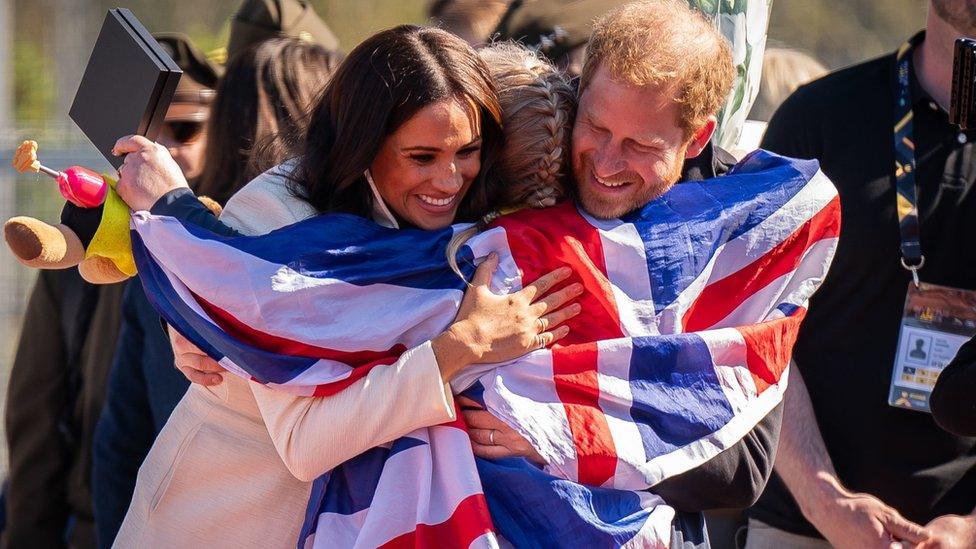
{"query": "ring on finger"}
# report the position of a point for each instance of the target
(542, 324)
(491, 437)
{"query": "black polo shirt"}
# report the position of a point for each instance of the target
(846, 347)
(954, 397)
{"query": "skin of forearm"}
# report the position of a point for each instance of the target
(454, 350)
(802, 461)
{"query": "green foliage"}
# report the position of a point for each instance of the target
(34, 82)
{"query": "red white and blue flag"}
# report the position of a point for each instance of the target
(690, 311)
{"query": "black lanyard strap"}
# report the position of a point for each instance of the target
(906, 193)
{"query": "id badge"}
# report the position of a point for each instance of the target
(937, 321)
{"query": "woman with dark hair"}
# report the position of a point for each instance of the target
(406, 134)
(268, 89)
(263, 106)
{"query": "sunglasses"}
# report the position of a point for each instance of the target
(183, 131)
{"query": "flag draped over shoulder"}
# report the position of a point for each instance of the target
(690, 311)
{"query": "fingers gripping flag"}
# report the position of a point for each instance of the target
(690, 310)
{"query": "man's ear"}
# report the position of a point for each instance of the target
(699, 139)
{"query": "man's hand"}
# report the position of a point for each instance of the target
(862, 521)
(951, 532)
(147, 173)
(491, 438)
(194, 363)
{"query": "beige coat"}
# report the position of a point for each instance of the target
(233, 466)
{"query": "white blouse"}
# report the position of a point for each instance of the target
(314, 434)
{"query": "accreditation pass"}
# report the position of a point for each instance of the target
(937, 321)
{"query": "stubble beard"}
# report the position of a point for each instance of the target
(960, 14)
(604, 207)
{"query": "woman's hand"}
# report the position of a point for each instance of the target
(193, 363)
(492, 438)
(496, 328)
(148, 172)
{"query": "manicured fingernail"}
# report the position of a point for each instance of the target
(577, 288)
(565, 271)
(575, 308)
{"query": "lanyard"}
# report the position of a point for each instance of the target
(906, 192)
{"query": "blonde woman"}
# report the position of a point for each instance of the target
(273, 444)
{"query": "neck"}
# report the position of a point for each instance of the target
(933, 59)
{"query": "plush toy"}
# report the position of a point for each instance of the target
(94, 229)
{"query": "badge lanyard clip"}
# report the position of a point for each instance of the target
(914, 269)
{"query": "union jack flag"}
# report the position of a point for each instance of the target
(690, 311)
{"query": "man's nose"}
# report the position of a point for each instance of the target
(608, 161)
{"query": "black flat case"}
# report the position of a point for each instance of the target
(127, 86)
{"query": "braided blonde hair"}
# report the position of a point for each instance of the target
(538, 106)
(537, 112)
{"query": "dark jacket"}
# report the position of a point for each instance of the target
(55, 396)
(953, 400)
(143, 389)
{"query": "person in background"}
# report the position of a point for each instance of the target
(262, 107)
(260, 20)
(853, 471)
(59, 377)
(954, 397)
(264, 96)
(472, 20)
(558, 29)
(53, 400)
(784, 70)
(184, 131)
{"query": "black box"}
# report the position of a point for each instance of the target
(127, 86)
(962, 101)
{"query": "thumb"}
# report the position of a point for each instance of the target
(904, 529)
(482, 276)
(130, 143)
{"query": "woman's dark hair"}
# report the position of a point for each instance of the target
(381, 84)
(262, 108)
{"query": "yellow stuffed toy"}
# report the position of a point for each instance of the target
(94, 229)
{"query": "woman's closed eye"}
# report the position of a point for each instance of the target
(422, 159)
(468, 151)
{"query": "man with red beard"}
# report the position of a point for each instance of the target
(655, 76)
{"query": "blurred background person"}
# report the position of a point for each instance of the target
(260, 20)
(184, 131)
(472, 20)
(852, 470)
(58, 381)
(263, 102)
(784, 70)
(262, 106)
(558, 29)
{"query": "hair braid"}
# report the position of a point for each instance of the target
(537, 105)
(537, 112)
